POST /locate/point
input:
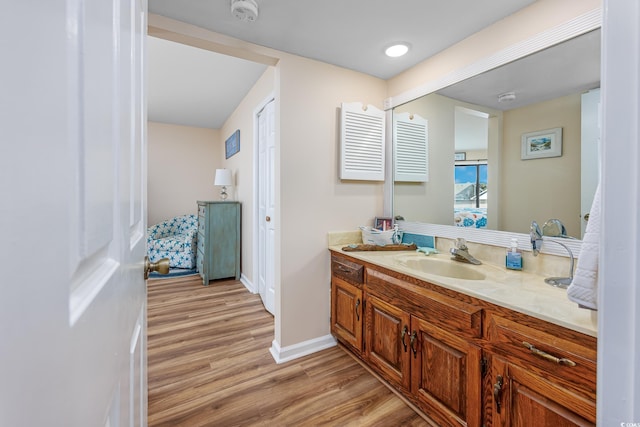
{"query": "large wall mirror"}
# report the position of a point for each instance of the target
(498, 162)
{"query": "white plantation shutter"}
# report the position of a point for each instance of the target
(362, 142)
(410, 148)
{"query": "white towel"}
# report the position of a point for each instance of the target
(584, 287)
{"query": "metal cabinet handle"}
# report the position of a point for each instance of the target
(549, 357)
(497, 392)
(412, 341)
(404, 332)
(357, 313)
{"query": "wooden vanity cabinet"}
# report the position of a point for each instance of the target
(460, 360)
(539, 371)
(446, 375)
(387, 340)
(347, 303)
(522, 398)
(346, 313)
(422, 342)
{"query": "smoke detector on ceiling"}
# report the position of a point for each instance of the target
(244, 10)
(507, 97)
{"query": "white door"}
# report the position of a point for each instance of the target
(590, 164)
(266, 203)
(72, 177)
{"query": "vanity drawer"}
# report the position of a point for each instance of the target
(347, 270)
(569, 357)
(448, 313)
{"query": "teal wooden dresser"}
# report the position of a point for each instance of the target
(218, 254)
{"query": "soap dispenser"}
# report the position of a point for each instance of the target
(513, 260)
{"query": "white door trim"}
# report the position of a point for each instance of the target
(618, 383)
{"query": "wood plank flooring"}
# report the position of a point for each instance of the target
(209, 365)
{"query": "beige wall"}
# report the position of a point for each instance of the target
(432, 201)
(540, 16)
(181, 165)
(310, 198)
(522, 25)
(242, 164)
(554, 180)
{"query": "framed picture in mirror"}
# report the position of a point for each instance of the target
(460, 155)
(383, 223)
(543, 143)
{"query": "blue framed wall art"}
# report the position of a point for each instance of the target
(232, 144)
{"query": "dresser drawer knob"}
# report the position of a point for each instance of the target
(549, 357)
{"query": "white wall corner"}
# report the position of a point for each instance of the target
(248, 284)
(291, 352)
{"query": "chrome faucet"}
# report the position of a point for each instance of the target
(536, 244)
(461, 253)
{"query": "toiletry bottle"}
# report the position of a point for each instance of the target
(514, 256)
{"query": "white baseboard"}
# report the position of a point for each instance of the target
(285, 354)
(247, 284)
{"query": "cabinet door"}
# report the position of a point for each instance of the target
(446, 375)
(346, 313)
(522, 398)
(387, 341)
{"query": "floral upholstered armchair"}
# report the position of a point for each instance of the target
(175, 239)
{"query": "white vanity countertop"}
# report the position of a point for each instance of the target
(517, 290)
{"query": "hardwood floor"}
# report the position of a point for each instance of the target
(209, 365)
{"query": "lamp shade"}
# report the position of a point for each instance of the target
(223, 177)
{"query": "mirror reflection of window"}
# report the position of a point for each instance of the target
(471, 195)
(549, 87)
(470, 176)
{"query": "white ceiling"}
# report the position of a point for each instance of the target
(194, 87)
(569, 67)
(350, 33)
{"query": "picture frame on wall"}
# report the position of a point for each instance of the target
(541, 144)
(383, 223)
(232, 144)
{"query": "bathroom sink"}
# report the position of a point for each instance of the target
(444, 268)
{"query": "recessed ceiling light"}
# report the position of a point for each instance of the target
(397, 50)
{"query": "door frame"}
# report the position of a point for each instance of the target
(619, 272)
